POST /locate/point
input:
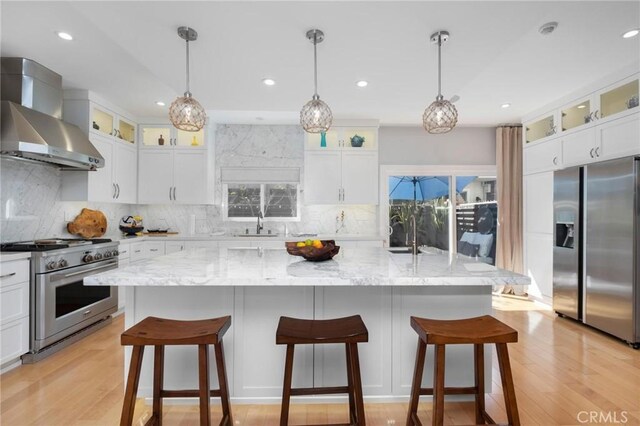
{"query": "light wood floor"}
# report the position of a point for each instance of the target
(560, 369)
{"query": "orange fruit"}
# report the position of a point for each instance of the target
(317, 244)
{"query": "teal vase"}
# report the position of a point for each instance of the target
(323, 140)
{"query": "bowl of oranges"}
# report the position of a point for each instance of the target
(313, 250)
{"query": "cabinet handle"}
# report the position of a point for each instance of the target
(174, 193)
(114, 191)
(591, 153)
(555, 161)
(118, 194)
(598, 152)
(170, 194)
(595, 114)
(153, 249)
(7, 275)
(136, 251)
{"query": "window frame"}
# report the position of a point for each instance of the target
(225, 203)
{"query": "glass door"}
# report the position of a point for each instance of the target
(153, 135)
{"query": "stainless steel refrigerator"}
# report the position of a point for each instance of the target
(596, 253)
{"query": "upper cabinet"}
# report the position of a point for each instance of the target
(172, 171)
(344, 138)
(343, 169)
(601, 125)
(94, 115)
(114, 136)
(166, 136)
(609, 103)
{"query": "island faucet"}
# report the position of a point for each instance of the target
(414, 241)
(259, 227)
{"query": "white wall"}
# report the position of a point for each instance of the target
(414, 146)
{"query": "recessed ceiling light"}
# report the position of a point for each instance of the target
(160, 103)
(268, 81)
(582, 106)
(505, 105)
(65, 36)
(548, 28)
(631, 33)
(362, 83)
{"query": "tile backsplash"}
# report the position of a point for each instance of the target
(31, 206)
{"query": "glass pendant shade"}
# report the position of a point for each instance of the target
(316, 116)
(187, 114)
(440, 117)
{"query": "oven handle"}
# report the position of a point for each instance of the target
(107, 266)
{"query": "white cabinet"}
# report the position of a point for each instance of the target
(174, 177)
(165, 136)
(538, 203)
(14, 310)
(341, 177)
(154, 248)
(173, 246)
(125, 175)
(340, 137)
(539, 265)
(579, 147)
(137, 252)
(618, 138)
(542, 156)
(201, 244)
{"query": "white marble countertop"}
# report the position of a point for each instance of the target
(275, 267)
(232, 237)
(6, 256)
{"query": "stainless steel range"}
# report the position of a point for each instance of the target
(63, 310)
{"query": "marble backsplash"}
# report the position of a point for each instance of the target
(31, 206)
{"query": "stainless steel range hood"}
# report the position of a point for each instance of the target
(31, 127)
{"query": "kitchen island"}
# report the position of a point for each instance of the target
(256, 286)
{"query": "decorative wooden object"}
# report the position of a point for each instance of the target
(476, 331)
(350, 331)
(88, 224)
(328, 250)
(160, 332)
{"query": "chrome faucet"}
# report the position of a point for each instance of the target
(259, 227)
(414, 241)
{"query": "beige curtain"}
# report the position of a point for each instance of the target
(509, 162)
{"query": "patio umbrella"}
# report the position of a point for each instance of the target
(421, 188)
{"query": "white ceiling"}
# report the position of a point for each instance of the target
(129, 52)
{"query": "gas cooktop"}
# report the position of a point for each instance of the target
(50, 244)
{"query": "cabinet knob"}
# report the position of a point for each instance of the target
(591, 152)
(555, 161)
(598, 152)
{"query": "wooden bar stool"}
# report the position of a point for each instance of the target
(159, 332)
(476, 331)
(350, 331)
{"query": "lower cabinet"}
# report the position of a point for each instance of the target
(539, 265)
(14, 310)
(173, 246)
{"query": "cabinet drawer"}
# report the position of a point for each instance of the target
(173, 246)
(137, 252)
(14, 272)
(14, 340)
(14, 302)
(154, 248)
(125, 253)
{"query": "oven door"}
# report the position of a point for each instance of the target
(63, 305)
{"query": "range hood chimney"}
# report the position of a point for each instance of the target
(30, 126)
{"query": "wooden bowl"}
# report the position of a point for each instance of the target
(312, 254)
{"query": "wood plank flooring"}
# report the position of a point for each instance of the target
(562, 372)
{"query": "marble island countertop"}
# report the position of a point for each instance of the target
(233, 237)
(275, 267)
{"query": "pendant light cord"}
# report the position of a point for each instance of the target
(188, 92)
(439, 67)
(315, 66)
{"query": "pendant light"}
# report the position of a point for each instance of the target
(185, 112)
(441, 116)
(315, 116)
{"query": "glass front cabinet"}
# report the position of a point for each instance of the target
(167, 136)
